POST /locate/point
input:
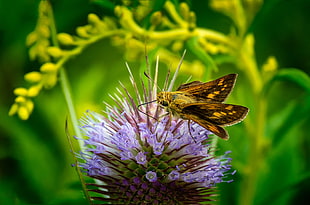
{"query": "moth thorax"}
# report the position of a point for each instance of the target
(164, 98)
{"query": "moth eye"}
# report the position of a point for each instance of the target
(164, 103)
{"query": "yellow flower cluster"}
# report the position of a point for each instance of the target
(168, 33)
(38, 40)
(46, 78)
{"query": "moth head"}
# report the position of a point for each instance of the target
(163, 98)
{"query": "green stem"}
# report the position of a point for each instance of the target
(255, 159)
(65, 84)
(256, 129)
(68, 97)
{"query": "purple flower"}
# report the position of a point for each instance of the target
(151, 176)
(148, 157)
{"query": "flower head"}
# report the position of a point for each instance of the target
(148, 157)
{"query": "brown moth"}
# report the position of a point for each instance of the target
(203, 104)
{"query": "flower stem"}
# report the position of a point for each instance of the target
(256, 157)
(68, 97)
(256, 129)
(65, 83)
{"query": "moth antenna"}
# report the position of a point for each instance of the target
(167, 80)
(147, 62)
(138, 107)
(149, 77)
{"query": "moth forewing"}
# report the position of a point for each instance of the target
(213, 91)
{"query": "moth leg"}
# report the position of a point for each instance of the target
(189, 130)
(163, 115)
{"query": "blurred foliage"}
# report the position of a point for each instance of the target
(266, 43)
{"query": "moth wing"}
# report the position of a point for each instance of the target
(217, 113)
(215, 129)
(213, 116)
(213, 91)
(186, 86)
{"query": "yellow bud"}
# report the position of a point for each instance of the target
(224, 5)
(13, 109)
(184, 10)
(41, 53)
(271, 64)
(32, 53)
(44, 6)
(34, 90)
(29, 105)
(156, 18)
(65, 39)
(126, 2)
(192, 20)
(20, 99)
(54, 51)
(250, 40)
(118, 11)
(48, 67)
(177, 46)
(50, 81)
(44, 31)
(20, 91)
(140, 12)
(23, 113)
(33, 77)
(209, 47)
(213, 49)
(31, 38)
(93, 19)
(249, 44)
(82, 32)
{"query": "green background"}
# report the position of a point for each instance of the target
(35, 158)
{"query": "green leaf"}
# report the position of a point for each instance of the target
(294, 75)
(291, 117)
(283, 167)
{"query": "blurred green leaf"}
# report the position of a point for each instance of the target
(294, 75)
(294, 110)
(291, 115)
(284, 168)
